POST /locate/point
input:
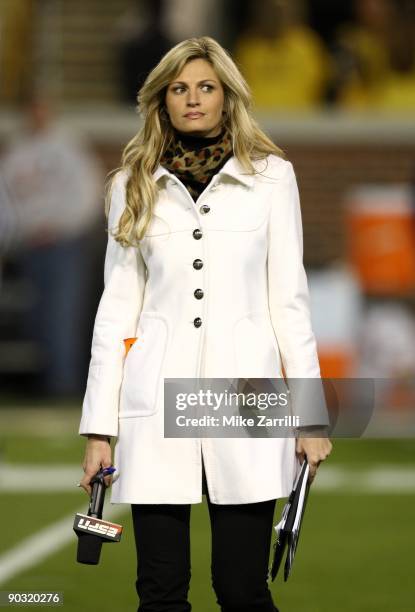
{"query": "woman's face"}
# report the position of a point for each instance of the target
(194, 100)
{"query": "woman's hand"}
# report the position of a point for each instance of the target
(97, 455)
(317, 449)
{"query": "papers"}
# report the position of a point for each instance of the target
(288, 528)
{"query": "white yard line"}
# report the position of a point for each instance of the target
(391, 479)
(20, 478)
(44, 543)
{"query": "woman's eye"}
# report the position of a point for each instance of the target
(180, 88)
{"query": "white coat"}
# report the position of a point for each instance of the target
(254, 315)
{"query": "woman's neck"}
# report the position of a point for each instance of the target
(193, 141)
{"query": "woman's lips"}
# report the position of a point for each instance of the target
(194, 115)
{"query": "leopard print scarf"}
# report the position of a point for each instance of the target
(195, 159)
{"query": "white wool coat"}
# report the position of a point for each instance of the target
(249, 318)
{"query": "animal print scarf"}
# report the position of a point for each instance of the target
(196, 159)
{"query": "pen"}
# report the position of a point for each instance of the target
(109, 470)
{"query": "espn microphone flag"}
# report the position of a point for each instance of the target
(288, 528)
(91, 529)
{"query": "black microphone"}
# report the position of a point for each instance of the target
(91, 530)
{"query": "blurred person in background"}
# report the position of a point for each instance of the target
(54, 185)
(376, 57)
(141, 43)
(198, 282)
(283, 60)
(326, 16)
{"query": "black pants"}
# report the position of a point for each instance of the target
(241, 539)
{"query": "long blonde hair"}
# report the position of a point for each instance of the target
(142, 154)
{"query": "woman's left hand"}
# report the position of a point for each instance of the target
(316, 449)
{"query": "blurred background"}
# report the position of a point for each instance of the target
(334, 86)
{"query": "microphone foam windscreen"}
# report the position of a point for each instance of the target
(89, 549)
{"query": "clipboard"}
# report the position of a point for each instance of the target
(289, 526)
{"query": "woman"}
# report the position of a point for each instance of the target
(203, 278)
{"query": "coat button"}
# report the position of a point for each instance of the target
(197, 234)
(204, 209)
(197, 264)
(198, 294)
(197, 322)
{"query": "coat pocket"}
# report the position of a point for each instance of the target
(256, 348)
(143, 364)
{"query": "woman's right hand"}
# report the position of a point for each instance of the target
(97, 455)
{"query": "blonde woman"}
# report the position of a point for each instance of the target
(203, 278)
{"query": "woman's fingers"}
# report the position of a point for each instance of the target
(91, 466)
(84, 483)
(107, 479)
(316, 449)
(313, 470)
(97, 456)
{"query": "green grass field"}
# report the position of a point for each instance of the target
(356, 551)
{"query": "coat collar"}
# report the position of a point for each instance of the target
(232, 168)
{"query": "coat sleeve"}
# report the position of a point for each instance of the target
(289, 301)
(116, 319)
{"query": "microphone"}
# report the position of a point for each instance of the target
(91, 530)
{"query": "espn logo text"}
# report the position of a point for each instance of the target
(104, 529)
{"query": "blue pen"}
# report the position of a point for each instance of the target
(109, 470)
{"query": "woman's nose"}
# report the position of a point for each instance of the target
(192, 98)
